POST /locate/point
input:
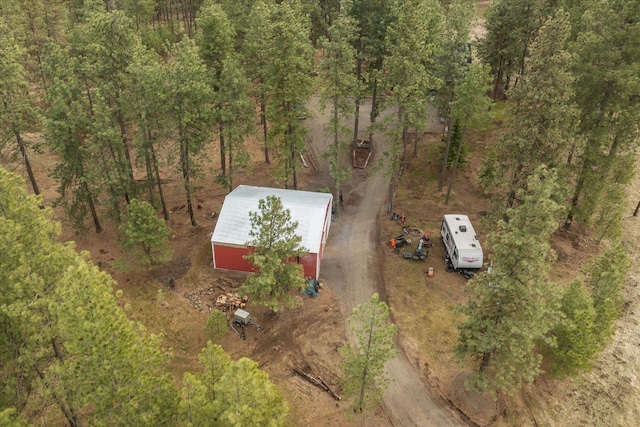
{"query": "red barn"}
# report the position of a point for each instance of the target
(229, 239)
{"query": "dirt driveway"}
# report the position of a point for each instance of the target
(350, 265)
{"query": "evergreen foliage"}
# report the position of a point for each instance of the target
(276, 247)
(338, 89)
(542, 131)
(288, 84)
(575, 333)
(606, 94)
(512, 309)
(146, 234)
(363, 363)
(65, 342)
(606, 278)
(230, 393)
(18, 113)
(414, 46)
(216, 325)
(190, 98)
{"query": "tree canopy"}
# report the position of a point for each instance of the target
(276, 248)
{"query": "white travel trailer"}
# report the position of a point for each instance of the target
(460, 242)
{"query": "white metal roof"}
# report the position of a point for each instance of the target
(463, 239)
(308, 208)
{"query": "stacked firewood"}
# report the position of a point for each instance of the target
(231, 301)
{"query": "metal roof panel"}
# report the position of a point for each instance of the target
(308, 208)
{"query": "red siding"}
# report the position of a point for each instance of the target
(231, 258)
(309, 265)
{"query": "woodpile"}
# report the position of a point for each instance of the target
(231, 301)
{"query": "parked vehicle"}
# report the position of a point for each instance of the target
(461, 243)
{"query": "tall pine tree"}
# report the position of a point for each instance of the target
(512, 308)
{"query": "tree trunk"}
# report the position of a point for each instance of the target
(223, 162)
(156, 168)
(263, 115)
(230, 176)
(447, 146)
(125, 144)
(374, 110)
(150, 174)
(365, 371)
(404, 149)
(184, 163)
(336, 154)
(27, 163)
(486, 359)
(68, 412)
(356, 121)
(92, 208)
(294, 169)
(455, 165)
(415, 144)
(576, 194)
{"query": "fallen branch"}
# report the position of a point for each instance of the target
(319, 382)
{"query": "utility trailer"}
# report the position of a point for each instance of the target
(461, 243)
(361, 151)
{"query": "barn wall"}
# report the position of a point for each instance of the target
(231, 258)
(309, 263)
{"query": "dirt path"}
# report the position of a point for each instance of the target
(350, 266)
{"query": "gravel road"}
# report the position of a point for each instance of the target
(350, 265)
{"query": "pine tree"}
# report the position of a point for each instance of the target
(255, 58)
(469, 107)
(147, 234)
(575, 334)
(542, 131)
(452, 67)
(511, 27)
(288, 85)
(275, 246)
(606, 94)
(607, 275)
(216, 325)
(338, 89)
(190, 97)
(511, 310)
(148, 99)
(67, 129)
(413, 43)
(236, 117)
(363, 362)
(230, 393)
(65, 344)
(215, 41)
(104, 45)
(18, 113)
(373, 18)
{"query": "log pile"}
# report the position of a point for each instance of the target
(231, 301)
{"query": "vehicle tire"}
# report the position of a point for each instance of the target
(449, 268)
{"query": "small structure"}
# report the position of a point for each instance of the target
(361, 153)
(229, 240)
(460, 242)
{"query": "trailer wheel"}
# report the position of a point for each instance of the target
(449, 268)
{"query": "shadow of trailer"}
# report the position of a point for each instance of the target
(361, 151)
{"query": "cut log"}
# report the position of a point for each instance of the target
(319, 382)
